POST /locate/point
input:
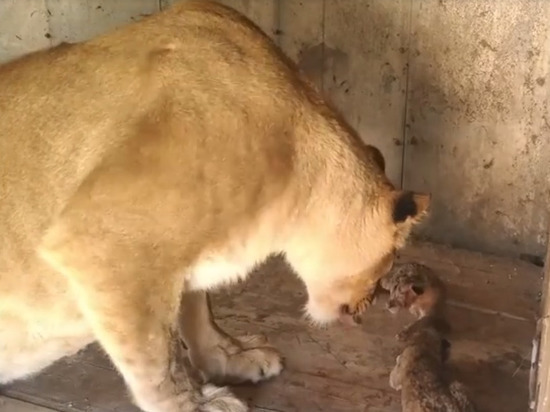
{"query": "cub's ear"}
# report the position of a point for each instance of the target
(410, 205)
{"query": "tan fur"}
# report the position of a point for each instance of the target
(421, 376)
(169, 157)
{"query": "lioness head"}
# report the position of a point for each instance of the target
(342, 286)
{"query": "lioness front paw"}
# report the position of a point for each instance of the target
(248, 358)
(254, 364)
(220, 400)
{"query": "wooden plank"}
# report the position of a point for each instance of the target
(300, 35)
(365, 53)
(512, 286)
(478, 129)
(542, 389)
(77, 20)
(338, 368)
(14, 405)
(24, 27)
(74, 385)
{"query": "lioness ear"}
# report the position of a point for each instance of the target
(410, 205)
(377, 156)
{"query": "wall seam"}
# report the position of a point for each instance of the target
(406, 103)
(278, 22)
(323, 19)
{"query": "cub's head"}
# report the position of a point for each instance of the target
(361, 250)
(403, 296)
(407, 285)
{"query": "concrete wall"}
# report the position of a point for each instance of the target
(454, 92)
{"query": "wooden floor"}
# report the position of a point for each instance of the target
(340, 369)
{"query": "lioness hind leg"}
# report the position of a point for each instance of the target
(221, 358)
(135, 322)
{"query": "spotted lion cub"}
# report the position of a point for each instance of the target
(415, 287)
(147, 166)
(421, 376)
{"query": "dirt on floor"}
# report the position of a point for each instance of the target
(493, 308)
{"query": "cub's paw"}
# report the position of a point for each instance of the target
(217, 399)
(403, 335)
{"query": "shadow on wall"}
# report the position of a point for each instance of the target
(477, 130)
(477, 133)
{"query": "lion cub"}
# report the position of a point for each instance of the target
(421, 376)
(415, 287)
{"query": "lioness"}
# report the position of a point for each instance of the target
(144, 167)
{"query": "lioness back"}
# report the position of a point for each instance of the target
(203, 68)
